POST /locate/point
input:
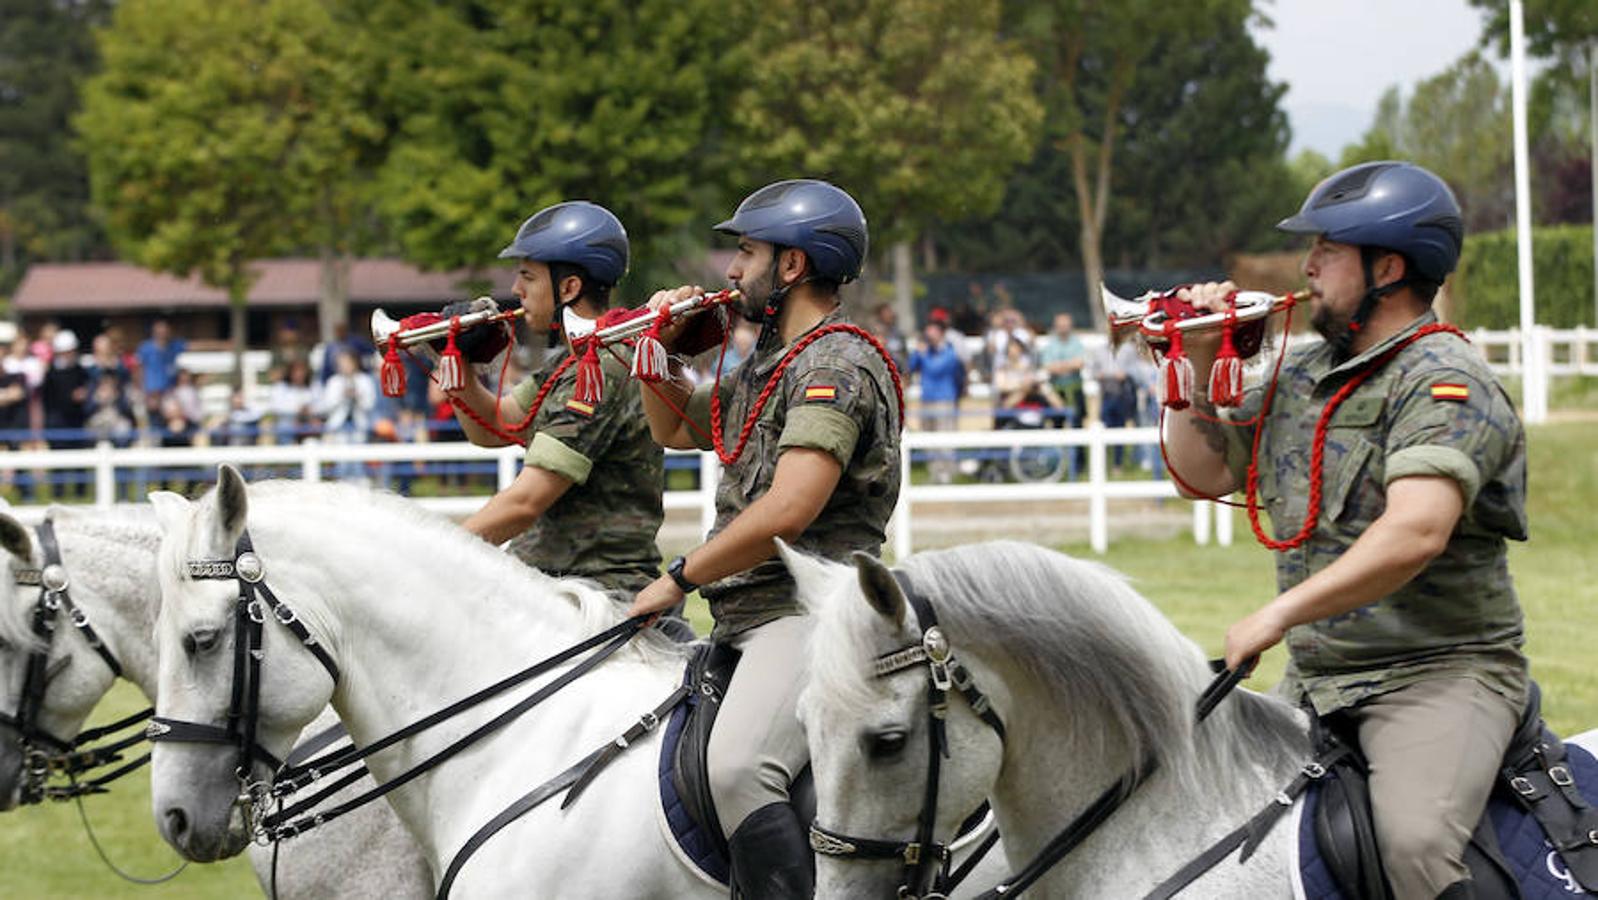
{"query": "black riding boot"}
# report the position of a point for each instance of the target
(1459, 890)
(771, 858)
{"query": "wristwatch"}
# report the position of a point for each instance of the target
(674, 569)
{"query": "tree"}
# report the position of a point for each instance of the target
(1174, 201)
(46, 49)
(500, 108)
(1090, 55)
(225, 131)
(1456, 124)
(917, 107)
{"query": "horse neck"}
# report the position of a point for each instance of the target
(1048, 777)
(113, 581)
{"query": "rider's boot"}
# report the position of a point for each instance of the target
(771, 858)
(1459, 890)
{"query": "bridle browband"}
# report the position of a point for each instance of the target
(926, 860)
(249, 621)
(42, 752)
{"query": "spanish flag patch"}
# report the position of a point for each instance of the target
(821, 393)
(1459, 393)
(578, 406)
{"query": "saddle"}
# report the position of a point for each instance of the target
(685, 770)
(1534, 778)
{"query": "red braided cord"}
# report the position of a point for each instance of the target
(1318, 446)
(1270, 393)
(776, 377)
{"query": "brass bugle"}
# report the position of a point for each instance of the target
(385, 327)
(1138, 316)
(578, 328)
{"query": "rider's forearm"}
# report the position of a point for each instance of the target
(800, 489)
(665, 425)
(481, 401)
(1196, 446)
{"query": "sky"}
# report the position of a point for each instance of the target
(1337, 57)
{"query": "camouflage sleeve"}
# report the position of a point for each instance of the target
(570, 433)
(1449, 422)
(1233, 437)
(524, 392)
(825, 405)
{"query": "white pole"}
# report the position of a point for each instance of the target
(1534, 386)
(903, 540)
(1201, 522)
(1223, 525)
(1592, 148)
(1099, 478)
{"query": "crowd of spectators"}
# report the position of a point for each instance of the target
(1002, 371)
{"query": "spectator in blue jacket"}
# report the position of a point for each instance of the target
(942, 377)
(158, 362)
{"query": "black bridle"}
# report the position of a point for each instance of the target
(42, 752)
(926, 860)
(250, 610)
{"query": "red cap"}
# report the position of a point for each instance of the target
(939, 315)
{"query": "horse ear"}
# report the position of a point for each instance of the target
(232, 503)
(813, 576)
(15, 538)
(880, 587)
(171, 510)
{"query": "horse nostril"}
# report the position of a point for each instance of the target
(177, 822)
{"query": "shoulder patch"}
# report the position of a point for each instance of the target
(821, 393)
(578, 406)
(1454, 391)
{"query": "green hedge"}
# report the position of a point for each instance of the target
(1486, 290)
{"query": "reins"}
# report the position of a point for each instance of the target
(69, 759)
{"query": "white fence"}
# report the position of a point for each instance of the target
(313, 460)
(1570, 351)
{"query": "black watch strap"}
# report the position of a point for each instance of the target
(674, 569)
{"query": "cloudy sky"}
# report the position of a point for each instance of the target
(1338, 56)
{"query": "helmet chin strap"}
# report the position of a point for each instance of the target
(1343, 345)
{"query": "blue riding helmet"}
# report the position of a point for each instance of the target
(576, 232)
(819, 218)
(1396, 206)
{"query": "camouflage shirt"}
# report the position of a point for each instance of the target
(604, 526)
(836, 396)
(1433, 410)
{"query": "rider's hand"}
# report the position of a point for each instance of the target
(1254, 634)
(656, 597)
(1209, 296)
(465, 307)
(662, 299)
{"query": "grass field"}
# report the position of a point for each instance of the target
(44, 853)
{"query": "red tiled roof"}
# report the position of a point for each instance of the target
(103, 286)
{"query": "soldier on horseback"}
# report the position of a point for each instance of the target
(1396, 603)
(587, 502)
(820, 470)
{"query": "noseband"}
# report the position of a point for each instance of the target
(43, 752)
(926, 861)
(249, 620)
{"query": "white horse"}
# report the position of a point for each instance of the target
(110, 560)
(417, 614)
(1088, 678)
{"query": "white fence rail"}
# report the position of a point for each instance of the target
(1568, 351)
(317, 461)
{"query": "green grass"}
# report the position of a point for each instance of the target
(44, 853)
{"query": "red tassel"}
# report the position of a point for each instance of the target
(1226, 376)
(590, 377)
(392, 373)
(1176, 372)
(649, 355)
(451, 371)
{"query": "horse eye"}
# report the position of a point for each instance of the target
(201, 641)
(886, 744)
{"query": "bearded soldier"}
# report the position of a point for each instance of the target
(820, 471)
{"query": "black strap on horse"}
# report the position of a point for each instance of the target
(249, 619)
(43, 752)
(577, 778)
(283, 824)
(1100, 810)
(1252, 833)
(926, 860)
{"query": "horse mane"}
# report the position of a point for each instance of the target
(336, 501)
(1080, 631)
(16, 614)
